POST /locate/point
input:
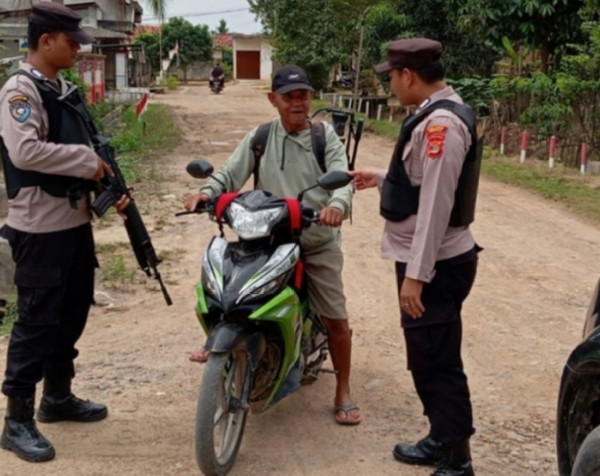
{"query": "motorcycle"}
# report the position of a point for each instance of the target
(263, 340)
(578, 410)
(216, 85)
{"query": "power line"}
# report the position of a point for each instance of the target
(204, 14)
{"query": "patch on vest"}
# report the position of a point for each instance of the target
(436, 135)
(20, 107)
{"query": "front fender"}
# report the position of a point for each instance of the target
(578, 410)
(227, 337)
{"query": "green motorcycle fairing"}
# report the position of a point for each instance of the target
(284, 309)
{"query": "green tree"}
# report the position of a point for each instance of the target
(384, 23)
(151, 42)
(466, 50)
(302, 33)
(222, 28)
(195, 42)
(546, 25)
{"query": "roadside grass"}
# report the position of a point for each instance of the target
(10, 313)
(580, 193)
(137, 143)
(134, 139)
(117, 270)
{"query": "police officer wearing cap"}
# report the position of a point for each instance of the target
(428, 200)
(49, 170)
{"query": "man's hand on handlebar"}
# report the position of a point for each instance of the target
(331, 216)
(191, 202)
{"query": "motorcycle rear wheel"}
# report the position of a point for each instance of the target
(220, 418)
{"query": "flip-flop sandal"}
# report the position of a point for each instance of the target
(346, 409)
(200, 356)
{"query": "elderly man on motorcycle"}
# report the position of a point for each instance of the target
(287, 167)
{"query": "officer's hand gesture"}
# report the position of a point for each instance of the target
(363, 178)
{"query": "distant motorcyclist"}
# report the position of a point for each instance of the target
(217, 74)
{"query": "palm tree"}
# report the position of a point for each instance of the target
(159, 9)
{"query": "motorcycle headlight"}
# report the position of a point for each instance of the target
(212, 267)
(250, 225)
(267, 288)
(273, 274)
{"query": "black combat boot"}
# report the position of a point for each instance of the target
(20, 434)
(59, 404)
(426, 452)
(456, 461)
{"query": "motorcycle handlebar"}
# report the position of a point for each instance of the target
(202, 207)
(309, 215)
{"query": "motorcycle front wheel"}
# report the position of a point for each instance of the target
(220, 415)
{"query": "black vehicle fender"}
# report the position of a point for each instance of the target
(592, 318)
(578, 411)
(228, 336)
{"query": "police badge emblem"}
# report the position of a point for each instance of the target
(20, 107)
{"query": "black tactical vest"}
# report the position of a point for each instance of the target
(65, 127)
(400, 199)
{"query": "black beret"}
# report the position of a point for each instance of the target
(412, 53)
(59, 18)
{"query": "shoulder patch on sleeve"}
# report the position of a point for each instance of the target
(436, 129)
(436, 136)
(20, 107)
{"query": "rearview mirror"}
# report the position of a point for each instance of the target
(199, 168)
(334, 180)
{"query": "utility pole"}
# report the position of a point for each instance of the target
(358, 59)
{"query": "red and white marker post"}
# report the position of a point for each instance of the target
(142, 105)
(502, 139)
(524, 142)
(583, 159)
(552, 152)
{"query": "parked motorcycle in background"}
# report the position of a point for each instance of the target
(252, 303)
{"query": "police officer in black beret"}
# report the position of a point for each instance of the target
(428, 201)
(49, 170)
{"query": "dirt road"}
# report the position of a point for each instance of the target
(523, 317)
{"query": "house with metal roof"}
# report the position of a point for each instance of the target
(103, 65)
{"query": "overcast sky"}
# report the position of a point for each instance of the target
(236, 14)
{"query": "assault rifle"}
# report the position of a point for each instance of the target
(113, 188)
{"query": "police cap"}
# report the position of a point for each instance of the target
(57, 17)
(411, 53)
